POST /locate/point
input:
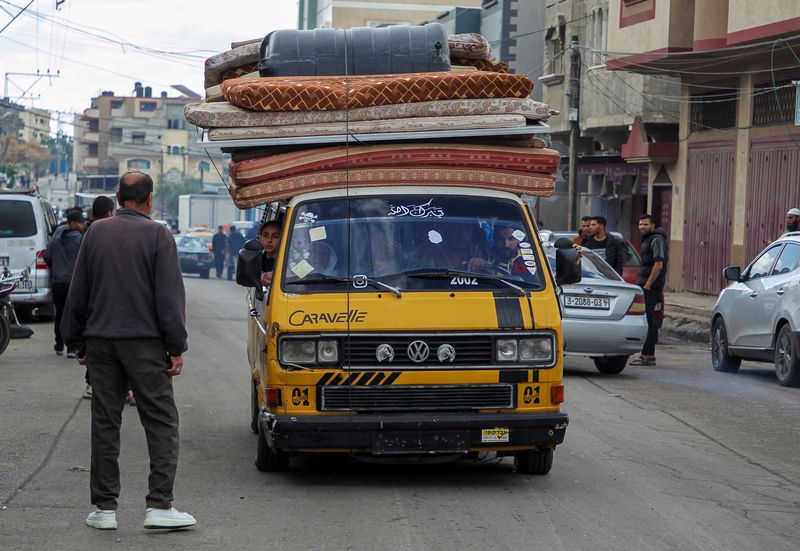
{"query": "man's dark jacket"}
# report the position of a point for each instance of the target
(62, 253)
(218, 243)
(235, 243)
(127, 284)
(649, 258)
(615, 251)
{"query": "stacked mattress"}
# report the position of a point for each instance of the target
(479, 94)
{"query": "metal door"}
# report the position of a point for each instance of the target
(708, 220)
(662, 207)
(772, 189)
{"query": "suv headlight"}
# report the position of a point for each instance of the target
(298, 351)
(535, 349)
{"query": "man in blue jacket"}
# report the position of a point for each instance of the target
(61, 254)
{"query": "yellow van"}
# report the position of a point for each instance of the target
(407, 321)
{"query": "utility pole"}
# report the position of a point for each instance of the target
(574, 131)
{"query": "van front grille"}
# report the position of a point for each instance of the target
(417, 398)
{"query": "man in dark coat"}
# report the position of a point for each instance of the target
(218, 248)
(61, 254)
(605, 245)
(235, 243)
(651, 278)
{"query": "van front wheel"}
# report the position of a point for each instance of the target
(254, 407)
(267, 459)
(533, 461)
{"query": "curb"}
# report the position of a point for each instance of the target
(689, 329)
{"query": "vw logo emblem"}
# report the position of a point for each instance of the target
(384, 352)
(418, 351)
(446, 353)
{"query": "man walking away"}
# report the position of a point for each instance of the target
(585, 232)
(102, 207)
(125, 317)
(218, 248)
(651, 278)
(61, 254)
(606, 246)
(235, 243)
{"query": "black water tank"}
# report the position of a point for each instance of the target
(356, 51)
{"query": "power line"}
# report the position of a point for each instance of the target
(21, 11)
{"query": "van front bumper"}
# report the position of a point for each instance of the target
(414, 433)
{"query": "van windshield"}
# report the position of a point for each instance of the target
(412, 242)
(17, 219)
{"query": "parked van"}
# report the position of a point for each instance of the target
(407, 321)
(26, 224)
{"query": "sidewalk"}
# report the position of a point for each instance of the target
(687, 316)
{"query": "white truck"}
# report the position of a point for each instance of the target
(206, 210)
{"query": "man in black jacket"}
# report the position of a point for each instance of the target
(606, 246)
(61, 254)
(125, 317)
(651, 278)
(235, 243)
(218, 248)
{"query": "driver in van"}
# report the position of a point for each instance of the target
(463, 247)
(269, 234)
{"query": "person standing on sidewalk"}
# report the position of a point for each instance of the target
(235, 242)
(651, 278)
(585, 232)
(792, 223)
(125, 317)
(218, 249)
(61, 254)
(604, 245)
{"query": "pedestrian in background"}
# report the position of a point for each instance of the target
(584, 233)
(61, 255)
(651, 278)
(605, 245)
(235, 242)
(218, 249)
(125, 316)
(792, 223)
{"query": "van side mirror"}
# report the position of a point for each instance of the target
(732, 273)
(568, 266)
(248, 265)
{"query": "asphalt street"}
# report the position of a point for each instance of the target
(669, 457)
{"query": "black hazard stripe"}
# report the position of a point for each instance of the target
(509, 312)
(358, 378)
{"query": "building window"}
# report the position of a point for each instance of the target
(137, 137)
(117, 104)
(138, 164)
(174, 150)
(148, 106)
(204, 166)
(774, 104)
(556, 41)
(92, 150)
(715, 110)
(115, 135)
(94, 125)
(632, 12)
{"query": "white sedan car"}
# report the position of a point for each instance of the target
(757, 317)
(602, 316)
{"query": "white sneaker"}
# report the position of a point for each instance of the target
(167, 518)
(102, 520)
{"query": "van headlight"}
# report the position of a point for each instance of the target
(536, 348)
(309, 352)
(328, 352)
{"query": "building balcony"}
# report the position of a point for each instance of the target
(90, 137)
(91, 114)
(90, 162)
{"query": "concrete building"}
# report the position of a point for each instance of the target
(736, 164)
(343, 14)
(139, 132)
(609, 104)
(35, 125)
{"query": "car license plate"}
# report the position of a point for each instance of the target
(587, 302)
(3, 261)
(24, 285)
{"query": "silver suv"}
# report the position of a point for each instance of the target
(26, 224)
(757, 317)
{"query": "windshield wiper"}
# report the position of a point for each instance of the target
(374, 283)
(446, 273)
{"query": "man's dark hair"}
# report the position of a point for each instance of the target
(600, 220)
(101, 206)
(219, 228)
(265, 225)
(585, 218)
(135, 186)
(648, 217)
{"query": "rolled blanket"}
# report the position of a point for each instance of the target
(491, 65)
(238, 61)
(331, 93)
(469, 46)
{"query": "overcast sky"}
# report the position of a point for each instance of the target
(184, 32)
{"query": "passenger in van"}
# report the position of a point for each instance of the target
(269, 234)
(323, 258)
(463, 247)
(506, 245)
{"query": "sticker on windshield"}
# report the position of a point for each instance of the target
(530, 263)
(302, 269)
(526, 251)
(434, 237)
(528, 257)
(519, 235)
(307, 217)
(525, 245)
(424, 210)
(317, 234)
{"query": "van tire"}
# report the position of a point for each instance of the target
(254, 407)
(533, 461)
(721, 359)
(267, 459)
(611, 365)
(205, 275)
(787, 357)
